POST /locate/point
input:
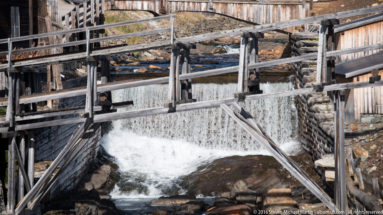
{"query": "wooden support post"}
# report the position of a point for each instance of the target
(172, 79)
(172, 36)
(177, 77)
(321, 60)
(94, 76)
(10, 117)
(17, 93)
(254, 77)
(97, 12)
(243, 71)
(11, 175)
(210, 6)
(77, 16)
(31, 158)
(90, 93)
(85, 15)
(186, 86)
(22, 160)
(340, 167)
(67, 25)
(30, 19)
(23, 173)
(92, 19)
(326, 43)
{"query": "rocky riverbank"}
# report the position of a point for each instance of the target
(241, 185)
(92, 194)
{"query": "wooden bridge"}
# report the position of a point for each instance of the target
(260, 12)
(180, 98)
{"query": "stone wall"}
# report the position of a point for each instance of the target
(315, 112)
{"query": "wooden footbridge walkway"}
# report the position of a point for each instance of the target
(180, 97)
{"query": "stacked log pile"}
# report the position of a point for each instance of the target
(315, 112)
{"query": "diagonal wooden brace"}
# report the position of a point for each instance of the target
(246, 121)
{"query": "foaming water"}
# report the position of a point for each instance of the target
(153, 152)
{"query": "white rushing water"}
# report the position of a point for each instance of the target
(153, 152)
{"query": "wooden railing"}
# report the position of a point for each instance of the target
(88, 13)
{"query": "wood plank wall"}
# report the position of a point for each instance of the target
(249, 11)
(366, 100)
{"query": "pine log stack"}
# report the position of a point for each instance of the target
(315, 112)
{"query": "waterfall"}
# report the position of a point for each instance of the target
(152, 152)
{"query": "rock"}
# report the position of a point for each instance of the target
(279, 192)
(197, 65)
(248, 197)
(327, 161)
(210, 62)
(361, 152)
(171, 201)
(239, 186)
(219, 50)
(370, 119)
(238, 174)
(370, 170)
(99, 178)
(278, 200)
(134, 64)
(142, 70)
(233, 210)
(192, 207)
(160, 212)
(329, 175)
(154, 67)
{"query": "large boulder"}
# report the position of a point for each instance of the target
(232, 175)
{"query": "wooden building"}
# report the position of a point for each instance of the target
(362, 100)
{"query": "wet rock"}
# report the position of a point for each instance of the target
(238, 174)
(248, 197)
(234, 209)
(327, 161)
(142, 70)
(190, 208)
(361, 152)
(160, 212)
(219, 50)
(154, 67)
(172, 201)
(134, 64)
(99, 178)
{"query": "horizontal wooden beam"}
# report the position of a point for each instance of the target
(80, 56)
(78, 111)
(358, 23)
(122, 85)
(195, 105)
(364, 70)
(91, 28)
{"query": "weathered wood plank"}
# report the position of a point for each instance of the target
(47, 174)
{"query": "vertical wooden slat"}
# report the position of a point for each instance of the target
(172, 81)
(85, 6)
(340, 167)
(11, 175)
(321, 59)
(243, 72)
(31, 158)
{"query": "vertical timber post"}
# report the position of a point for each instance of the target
(326, 43)
(243, 71)
(186, 86)
(31, 158)
(254, 75)
(340, 167)
(172, 79)
(21, 179)
(11, 175)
